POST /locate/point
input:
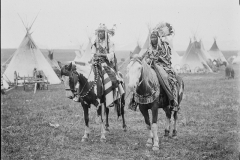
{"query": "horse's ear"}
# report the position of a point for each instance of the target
(70, 66)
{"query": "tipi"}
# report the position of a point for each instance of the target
(237, 59)
(136, 50)
(146, 44)
(189, 45)
(27, 57)
(86, 55)
(79, 53)
(176, 59)
(53, 62)
(195, 58)
(215, 53)
(4, 83)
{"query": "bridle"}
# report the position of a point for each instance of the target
(94, 83)
(139, 61)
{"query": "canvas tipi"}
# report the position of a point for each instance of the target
(79, 53)
(215, 53)
(27, 57)
(175, 58)
(52, 61)
(87, 54)
(136, 50)
(194, 57)
(146, 44)
(237, 59)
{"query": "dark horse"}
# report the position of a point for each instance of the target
(229, 72)
(87, 82)
(150, 96)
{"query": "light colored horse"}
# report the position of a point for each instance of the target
(149, 94)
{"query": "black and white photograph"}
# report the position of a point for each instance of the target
(120, 79)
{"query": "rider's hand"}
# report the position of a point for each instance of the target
(152, 57)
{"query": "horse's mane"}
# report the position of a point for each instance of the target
(149, 76)
(86, 71)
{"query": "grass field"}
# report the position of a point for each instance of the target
(208, 126)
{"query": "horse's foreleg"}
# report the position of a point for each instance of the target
(86, 118)
(155, 127)
(145, 114)
(107, 113)
(174, 135)
(103, 131)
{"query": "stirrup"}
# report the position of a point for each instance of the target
(133, 105)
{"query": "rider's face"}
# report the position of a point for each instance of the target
(101, 34)
(154, 39)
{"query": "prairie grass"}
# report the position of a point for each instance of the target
(208, 125)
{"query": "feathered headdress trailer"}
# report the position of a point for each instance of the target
(102, 27)
(163, 29)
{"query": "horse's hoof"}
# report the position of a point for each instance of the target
(107, 129)
(103, 140)
(149, 144)
(125, 129)
(166, 133)
(84, 140)
(155, 148)
(174, 134)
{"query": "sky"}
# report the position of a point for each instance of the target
(69, 23)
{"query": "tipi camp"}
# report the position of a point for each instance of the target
(27, 57)
(194, 58)
(215, 53)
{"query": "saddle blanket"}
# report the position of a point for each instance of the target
(111, 93)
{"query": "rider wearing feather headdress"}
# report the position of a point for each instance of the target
(158, 55)
(103, 52)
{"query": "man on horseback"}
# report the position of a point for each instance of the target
(158, 56)
(104, 57)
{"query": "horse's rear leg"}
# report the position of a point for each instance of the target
(174, 134)
(144, 111)
(168, 121)
(122, 103)
(86, 118)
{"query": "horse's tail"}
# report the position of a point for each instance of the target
(181, 90)
(117, 107)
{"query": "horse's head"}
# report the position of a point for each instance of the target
(134, 70)
(70, 79)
